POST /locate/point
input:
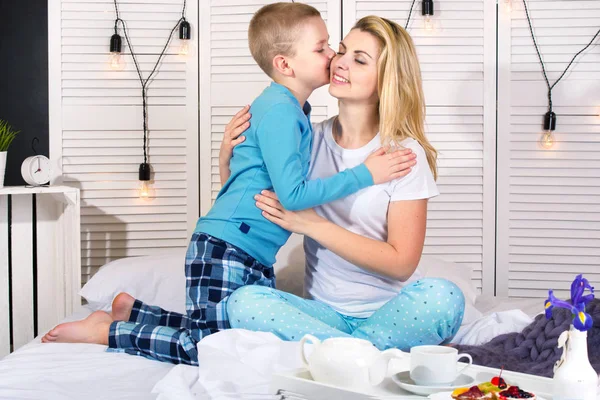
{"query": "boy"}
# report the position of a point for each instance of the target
(233, 245)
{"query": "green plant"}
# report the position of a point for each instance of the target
(7, 135)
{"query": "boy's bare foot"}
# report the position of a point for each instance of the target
(121, 307)
(93, 329)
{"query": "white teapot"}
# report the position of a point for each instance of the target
(351, 363)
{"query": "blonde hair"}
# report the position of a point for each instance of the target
(274, 30)
(400, 89)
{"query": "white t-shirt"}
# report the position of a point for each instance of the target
(330, 279)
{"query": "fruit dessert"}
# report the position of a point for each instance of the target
(515, 393)
(495, 389)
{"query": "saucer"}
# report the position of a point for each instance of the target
(403, 380)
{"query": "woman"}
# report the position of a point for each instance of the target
(362, 252)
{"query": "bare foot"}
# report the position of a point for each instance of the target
(93, 329)
(121, 307)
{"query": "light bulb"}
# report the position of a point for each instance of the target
(146, 191)
(116, 62)
(185, 34)
(184, 48)
(428, 23)
(547, 140)
(508, 5)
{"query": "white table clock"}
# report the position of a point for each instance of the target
(36, 170)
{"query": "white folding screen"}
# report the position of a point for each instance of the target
(96, 126)
(548, 199)
(528, 225)
(458, 64)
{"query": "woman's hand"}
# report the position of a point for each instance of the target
(231, 138)
(293, 221)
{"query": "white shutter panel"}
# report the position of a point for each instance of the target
(230, 78)
(548, 212)
(96, 126)
(457, 63)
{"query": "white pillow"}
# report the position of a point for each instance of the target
(460, 274)
(156, 280)
(160, 280)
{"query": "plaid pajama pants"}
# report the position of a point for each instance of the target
(213, 270)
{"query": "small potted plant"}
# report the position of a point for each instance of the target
(7, 135)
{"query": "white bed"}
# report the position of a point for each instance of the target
(77, 371)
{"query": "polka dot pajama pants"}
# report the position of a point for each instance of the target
(429, 311)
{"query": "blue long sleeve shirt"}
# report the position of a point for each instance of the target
(275, 156)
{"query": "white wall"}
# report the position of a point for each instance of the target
(96, 127)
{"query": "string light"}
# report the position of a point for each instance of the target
(116, 61)
(427, 12)
(184, 38)
(547, 139)
(145, 190)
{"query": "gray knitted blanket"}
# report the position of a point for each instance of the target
(534, 351)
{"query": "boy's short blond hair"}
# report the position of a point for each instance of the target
(274, 30)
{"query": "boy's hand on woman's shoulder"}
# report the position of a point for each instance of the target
(385, 166)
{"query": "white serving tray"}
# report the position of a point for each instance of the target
(300, 382)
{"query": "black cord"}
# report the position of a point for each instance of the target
(409, 14)
(550, 87)
(145, 82)
(117, 13)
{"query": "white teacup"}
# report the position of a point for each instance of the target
(435, 365)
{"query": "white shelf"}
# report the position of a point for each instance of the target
(66, 194)
(6, 190)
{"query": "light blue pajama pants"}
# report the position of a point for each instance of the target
(429, 311)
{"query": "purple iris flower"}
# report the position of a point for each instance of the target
(581, 321)
(578, 287)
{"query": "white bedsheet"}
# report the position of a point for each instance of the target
(82, 371)
(488, 327)
(77, 371)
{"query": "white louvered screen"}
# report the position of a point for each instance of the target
(96, 126)
(548, 200)
(458, 63)
(230, 77)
